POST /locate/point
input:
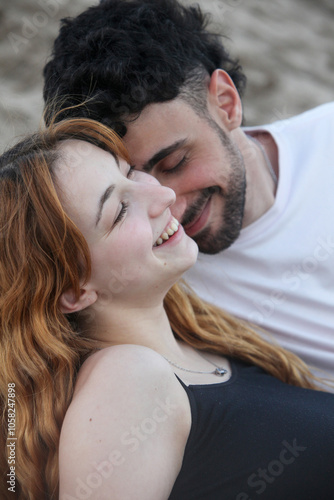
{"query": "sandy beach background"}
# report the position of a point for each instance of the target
(286, 48)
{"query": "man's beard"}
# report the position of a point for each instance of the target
(208, 240)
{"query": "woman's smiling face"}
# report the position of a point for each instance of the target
(123, 215)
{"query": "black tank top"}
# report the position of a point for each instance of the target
(254, 437)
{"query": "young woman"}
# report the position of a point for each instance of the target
(116, 382)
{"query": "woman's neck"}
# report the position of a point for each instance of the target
(148, 327)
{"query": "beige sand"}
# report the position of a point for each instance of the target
(285, 46)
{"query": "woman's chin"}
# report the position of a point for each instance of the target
(193, 251)
(191, 255)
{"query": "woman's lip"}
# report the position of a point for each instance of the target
(198, 225)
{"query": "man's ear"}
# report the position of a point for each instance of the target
(225, 99)
(69, 303)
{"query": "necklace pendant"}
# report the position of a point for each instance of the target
(220, 372)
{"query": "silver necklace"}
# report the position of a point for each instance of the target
(219, 371)
(266, 158)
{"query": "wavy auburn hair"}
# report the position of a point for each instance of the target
(42, 253)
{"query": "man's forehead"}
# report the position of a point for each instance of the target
(159, 109)
(155, 116)
(161, 128)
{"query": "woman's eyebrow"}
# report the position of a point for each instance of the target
(107, 193)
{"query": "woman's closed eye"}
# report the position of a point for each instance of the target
(121, 213)
(124, 205)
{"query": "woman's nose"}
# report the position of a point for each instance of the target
(157, 197)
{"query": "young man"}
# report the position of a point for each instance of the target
(257, 201)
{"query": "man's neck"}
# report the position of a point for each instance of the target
(269, 145)
(261, 161)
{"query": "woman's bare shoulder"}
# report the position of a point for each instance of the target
(128, 406)
(126, 363)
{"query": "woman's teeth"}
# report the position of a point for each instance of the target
(172, 227)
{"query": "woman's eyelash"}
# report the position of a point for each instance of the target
(122, 213)
(124, 205)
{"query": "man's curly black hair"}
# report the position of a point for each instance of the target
(119, 56)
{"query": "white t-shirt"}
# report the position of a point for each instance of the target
(279, 274)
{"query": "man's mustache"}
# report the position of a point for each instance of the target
(193, 211)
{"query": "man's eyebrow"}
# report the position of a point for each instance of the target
(160, 155)
(103, 199)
